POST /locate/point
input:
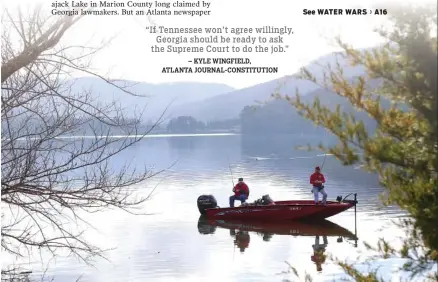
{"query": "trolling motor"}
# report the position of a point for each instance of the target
(339, 199)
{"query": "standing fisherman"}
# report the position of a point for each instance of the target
(317, 180)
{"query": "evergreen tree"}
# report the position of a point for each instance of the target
(403, 148)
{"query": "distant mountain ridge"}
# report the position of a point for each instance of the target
(209, 101)
(159, 96)
(229, 105)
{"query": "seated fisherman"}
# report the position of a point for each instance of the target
(241, 192)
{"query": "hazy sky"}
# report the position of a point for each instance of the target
(129, 55)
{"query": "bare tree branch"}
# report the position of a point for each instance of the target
(35, 45)
(50, 176)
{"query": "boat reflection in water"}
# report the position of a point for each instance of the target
(240, 231)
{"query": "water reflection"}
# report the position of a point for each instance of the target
(241, 239)
(166, 247)
(240, 232)
(318, 256)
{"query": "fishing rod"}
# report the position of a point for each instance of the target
(231, 172)
(323, 162)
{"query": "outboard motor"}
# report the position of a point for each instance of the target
(206, 202)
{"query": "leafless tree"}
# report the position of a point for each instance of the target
(48, 182)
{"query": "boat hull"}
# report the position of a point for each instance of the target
(282, 210)
(295, 228)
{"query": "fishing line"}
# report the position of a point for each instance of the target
(232, 181)
(325, 153)
(234, 250)
(281, 159)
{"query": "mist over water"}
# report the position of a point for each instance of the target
(170, 245)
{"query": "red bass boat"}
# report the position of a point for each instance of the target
(275, 210)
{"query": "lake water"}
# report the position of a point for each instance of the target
(174, 245)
